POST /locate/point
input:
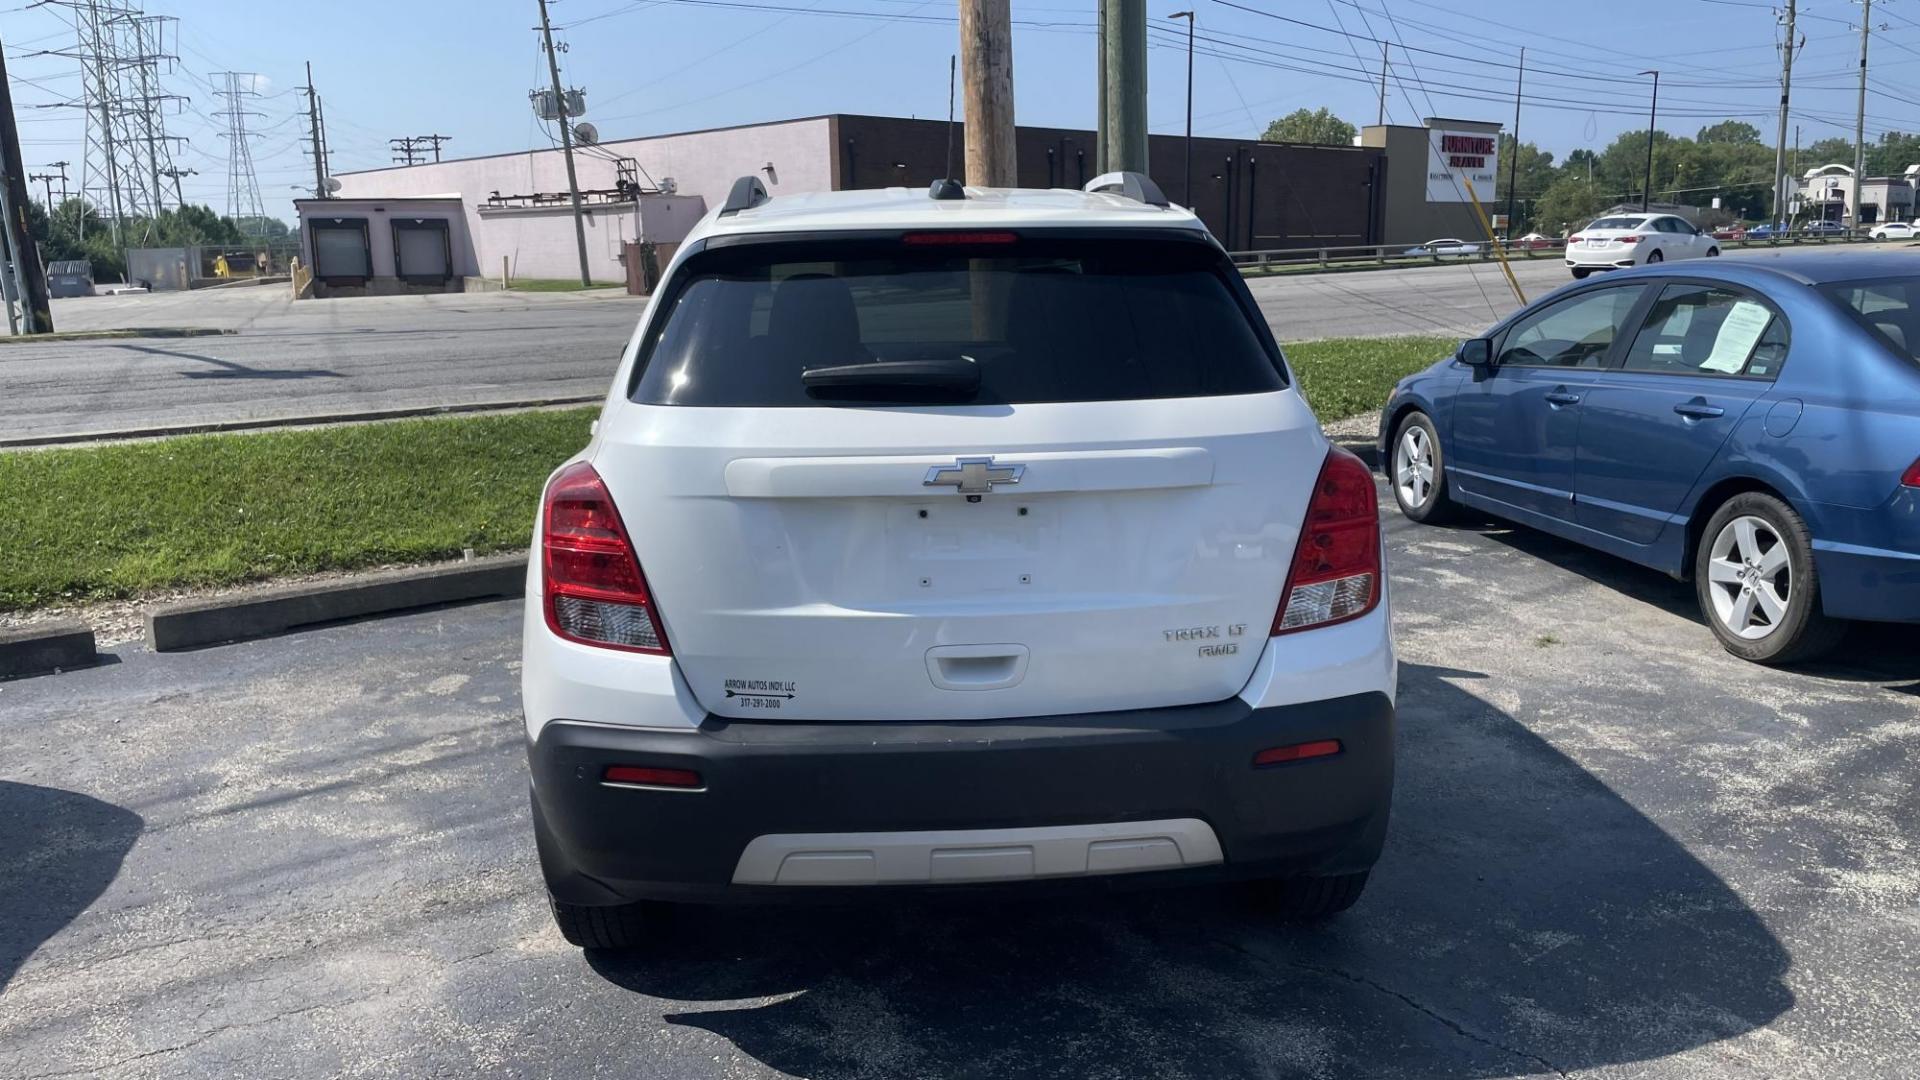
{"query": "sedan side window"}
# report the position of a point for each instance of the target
(1701, 330)
(1576, 332)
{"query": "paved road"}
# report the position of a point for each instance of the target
(1616, 852)
(312, 357)
(332, 356)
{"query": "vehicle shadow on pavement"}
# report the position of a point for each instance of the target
(1871, 652)
(1526, 918)
(59, 850)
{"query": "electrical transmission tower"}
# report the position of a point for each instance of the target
(243, 186)
(122, 55)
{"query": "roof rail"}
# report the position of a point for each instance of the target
(747, 193)
(946, 189)
(1131, 185)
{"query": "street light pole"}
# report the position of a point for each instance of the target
(1653, 114)
(1186, 188)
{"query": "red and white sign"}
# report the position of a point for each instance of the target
(1454, 157)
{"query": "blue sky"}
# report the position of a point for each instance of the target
(463, 68)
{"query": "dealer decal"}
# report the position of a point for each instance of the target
(760, 693)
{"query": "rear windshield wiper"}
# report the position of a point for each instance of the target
(956, 379)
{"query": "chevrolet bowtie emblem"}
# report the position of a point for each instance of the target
(973, 475)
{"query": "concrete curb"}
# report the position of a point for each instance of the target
(217, 621)
(108, 335)
(37, 650)
(213, 427)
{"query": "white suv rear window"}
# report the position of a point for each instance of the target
(1043, 319)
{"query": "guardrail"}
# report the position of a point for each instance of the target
(1280, 260)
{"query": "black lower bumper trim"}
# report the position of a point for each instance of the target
(603, 844)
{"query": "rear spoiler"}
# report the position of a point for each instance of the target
(1128, 185)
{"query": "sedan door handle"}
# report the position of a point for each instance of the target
(1562, 397)
(1699, 410)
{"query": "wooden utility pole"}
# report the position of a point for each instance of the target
(1860, 117)
(313, 128)
(29, 277)
(1780, 143)
(986, 52)
(566, 144)
(1126, 84)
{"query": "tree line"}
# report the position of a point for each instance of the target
(75, 230)
(1726, 160)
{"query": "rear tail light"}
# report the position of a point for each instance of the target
(1911, 478)
(1628, 240)
(595, 593)
(1336, 567)
(1575, 239)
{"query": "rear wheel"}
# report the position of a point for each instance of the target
(1580, 272)
(1309, 898)
(1712, 252)
(1417, 471)
(1654, 256)
(1757, 585)
(621, 926)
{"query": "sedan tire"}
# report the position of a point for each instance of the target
(1580, 272)
(1758, 588)
(1654, 256)
(1417, 472)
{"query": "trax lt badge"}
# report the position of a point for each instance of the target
(973, 476)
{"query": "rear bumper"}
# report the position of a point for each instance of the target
(1186, 771)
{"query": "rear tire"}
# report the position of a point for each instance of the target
(1654, 257)
(1416, 470)
(1754, 574)
(1713, 252)
(1308, 899)
(620, 926)
(1580, 272)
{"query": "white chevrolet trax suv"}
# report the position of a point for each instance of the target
(939, 540)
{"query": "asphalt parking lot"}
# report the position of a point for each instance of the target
(1616, 851)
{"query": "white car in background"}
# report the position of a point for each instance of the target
(1448, 246)
(1896, 230)
(1636, 240)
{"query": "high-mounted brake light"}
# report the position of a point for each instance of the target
(1911, 478)
(1336, 566)
(962, 239)
(594, 591)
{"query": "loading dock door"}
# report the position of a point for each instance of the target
(422, 254)
(341, 255)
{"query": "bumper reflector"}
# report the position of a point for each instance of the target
(1281, 755)
(651, 776)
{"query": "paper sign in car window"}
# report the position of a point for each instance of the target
(1739, 332)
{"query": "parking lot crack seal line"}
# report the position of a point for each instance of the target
(95, 1070)
(1408, 1000)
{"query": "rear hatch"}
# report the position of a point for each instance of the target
(1027, 475)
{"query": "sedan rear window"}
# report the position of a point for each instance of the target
(1038, 320)
(1618, 223)
(1889, 309)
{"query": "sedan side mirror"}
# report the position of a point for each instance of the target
(1476, 352)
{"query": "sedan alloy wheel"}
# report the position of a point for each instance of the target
(1750, 574)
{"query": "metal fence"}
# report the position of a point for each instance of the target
(1280, 260)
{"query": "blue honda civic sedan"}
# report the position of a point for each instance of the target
(1750, 424)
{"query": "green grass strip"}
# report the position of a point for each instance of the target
(110, 522)
(1348, 376)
